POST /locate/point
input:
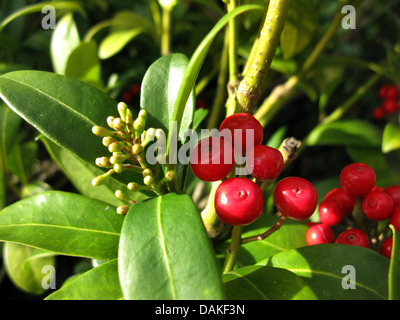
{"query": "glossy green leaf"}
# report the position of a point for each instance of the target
(84, 65)
(63, 223)
(394, 270)
(100, 283)
(21, 160)
(24, 266)
(299, 28)
(160, 88)
(345, 133)
(391, 138)
(116, 41)
(165, 252)
(324, 268)
(290, 236)
(64, 116)
(64, 40)
(37, 7)
(265, 283)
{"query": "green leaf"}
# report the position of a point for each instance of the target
(394, 270)
(21, 160)
(299, 28)
(165, 252)
(345, 133)
(116, 41)
(64, 40)
(84, 65)
(265, 283)
(290, 236)
(24, 266)
(64, 223)
(321, 266)
(160, 88)
(391, 138)
(64, 116)
(100, 283)
(37, 7)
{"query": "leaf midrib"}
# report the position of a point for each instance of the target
(50, 97)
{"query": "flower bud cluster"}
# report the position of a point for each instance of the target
(126, 139)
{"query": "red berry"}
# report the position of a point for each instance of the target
(383, 91)
(296, 198)
(212, 159)
(377, 205)
(386, 247)
(264, 163)
(242, 123)
(343, 198)
(395, 218)
(390, 106)
(357, 179)
(319, 233)
(378, 113)
(354, 237)
(392, 92)
(127, 97)
(330, 212)
(394, 193)
(135, 89)
(238, 201)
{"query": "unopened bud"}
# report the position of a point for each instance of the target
(115, 147)
(123, 210)
(110, 120)
(147, 172)
(137, 149)
(103, 162)
(101, 132)
(121, 195)
(170, 175)
(98, 181)
(148, 180)
(118, 167)
(107, 141)
(139, 124)
(122, 109)
(132, 186)
(142, 114)
(119, 157)
(119, 124)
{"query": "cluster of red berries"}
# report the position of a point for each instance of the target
(357, 185)
(239, 200)
(390, 104)
(130, 94)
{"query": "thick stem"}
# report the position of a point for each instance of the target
(250, 87)
(283, 92)
(166, 31)
(233, 250)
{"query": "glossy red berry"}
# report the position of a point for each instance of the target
(357, 179)
(343, 198)
(394, 193)
(354, 237)
(377, 205)
(238, 201)
(386, 247)
(378, 113)
(212, 159)
(392, 92)
(244, 124)
(264, 163)
(331, 212)
(395, 218)
(296, 198)
(390, 106)
(383, 91)
(319, 233)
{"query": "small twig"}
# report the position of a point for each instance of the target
(276, 226)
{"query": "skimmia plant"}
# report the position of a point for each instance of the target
(170, 200)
